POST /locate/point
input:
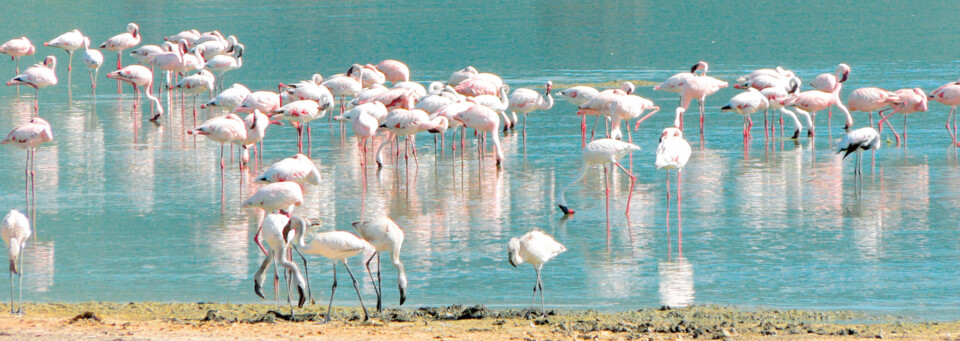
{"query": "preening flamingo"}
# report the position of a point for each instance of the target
(535, 248)
(461, 75)
(394, 71)
(385, 236)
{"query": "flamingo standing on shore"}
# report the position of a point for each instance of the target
(29, 136)
(338, 246)
(38, 76)
(222, 129)
(535, 248)
(673, 153)
(385, 236)
(602, 152)
(16, 48)
(298, 168)
(15, 230)
(394, 71)
(483, 120)
(858, 141)
(949, 94)
(121, 42)
(93, 59)
(909, 101)
(525, 101)
(279, 232)
(580, 95)
(69, 42)
(139, 76)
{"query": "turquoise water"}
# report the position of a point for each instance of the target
(128, 211)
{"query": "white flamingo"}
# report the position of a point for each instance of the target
(385, 236)
(535, 248)
(69, 42)
(338, 246)
(140, 77)
(298, 168)
(38, 76)
(222, 129)
(602, 152)
(673, 153)
(525, 101)
(278, 197)
(121, 42)
(15, 230)
(93, 59)
(279, 233)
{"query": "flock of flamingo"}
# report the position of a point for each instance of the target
(194, 63)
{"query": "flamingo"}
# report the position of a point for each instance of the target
(15, 230)
(626, 108)
(69, 42)
(29, 136)
(450, 111)
(477, 86)
(229, 99)
(602, 151)
(407, 123)
(858, 141)
(910, 101)
(311, 90)
(535, 248)
(298, 168)
(338, 246)
(675, 83)
(437, 99)
(139, 76)
(16, 48)
(497, 103)
(599, 105)
(256, 124)
(525, 101)
(38, 76)
(673, 153)
(385, 236)
(196, 84)
(394, 71)
(417, 88)
(93, 59)
(870, 99)
(816, 100)
(144, 53)
(776, 72)
(775, 95)
(170, 59)
(345, 85)
(485, 120)
(121, 42)
(278, 197)
(265, 101)
(369, 75)
(699, 87)
(369, 94)
(213, 48)
(826, 82)
(189, 35)
(461, 75)
(279, 232)
(746, 103)
(300, 113)
(949, 94)
(222, 129)
(223, 63)
(580, 95)
(364, 124)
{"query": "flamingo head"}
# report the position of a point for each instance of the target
(628, 87)
(549, 87)
(701, 65)
(843, 70)
(134, 29)
(317, 78)
(742, 86)
(513, 252)
(671, 132)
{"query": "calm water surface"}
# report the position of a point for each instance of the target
(128, 211)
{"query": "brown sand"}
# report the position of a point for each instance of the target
(208, 321)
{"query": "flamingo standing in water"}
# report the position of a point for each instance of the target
(626, 108)
(675, 83)
(525, 101)
(121, 42)
(222, 129)
(38, 76)
(816, 100)
(699, 88)
(298, 168)
(385, 236)
(139, 76)
(278, 197)
(300, 113)
(29, 136)
(870, 99)
(344, 85)
(483, 120)
(16, 48)
(535, 248)
(579, 95)
(858, 141)
(826, 82)
(407, 123)
(600, 105)
(746, 103)
(93, 59)
(602, 152)
(256, 124)
(223, 63)
(910, 101)
(949, 94)
(196, 84)
(15, 230)
(228, 99)
(364, 124)
(265, 101)
(394, 71)
(673, 153)
(279, 232)
(69, 42)
(338, 246)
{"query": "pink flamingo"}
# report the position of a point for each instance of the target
(746, 103)
(394, 71)
(139, 76)
(827, 82)
(499, 103)
(699, 87)
(870, 99)
(407, 123)
(484, 120)
(345, 85)
(602, 152)
(38, 76)
(189, 35)
(477, 86)
(307, 90)
(256, 124)
(223, 63)
(196, 84)
(675, 83)
(778, 72)
(816, 100)
(369, 75)
(673, 153)
(600, 105)
(222, 129)
(29, 136)
(298, 168)
(143, 53)
(368, 94)
(526, 100)
(949, 94)
(16, 48)
(364, 124)
(909, 101)
(461, 75)
(121, 42)
(229, 99)
(450, 111)
(438, 97)
(278, 197)
(626, 108)
(69, 42)
(300, 113)
(265, 101)
(579, 95)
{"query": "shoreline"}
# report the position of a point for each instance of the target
(150, 320)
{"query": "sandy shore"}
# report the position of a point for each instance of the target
(208, 321)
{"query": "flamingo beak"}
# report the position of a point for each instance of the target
(403, 295)
(566, 211)
(510, 257)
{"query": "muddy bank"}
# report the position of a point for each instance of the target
(146, 320)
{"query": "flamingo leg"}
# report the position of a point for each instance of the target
(357, 288)
(119, 85)
(333, 290)
(679, 214)
(633, 181)
(33, 192)
(376, 289)
(583, 131)
(904, 130)
(222, 180)
(606, 184)
(953, 137)
(884, 119)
